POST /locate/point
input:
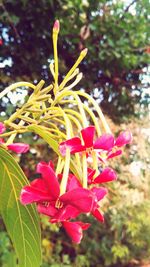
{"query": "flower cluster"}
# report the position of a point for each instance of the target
(15, 147)
(63, 206)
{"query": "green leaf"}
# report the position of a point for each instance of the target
(22, 222)
(53, 144)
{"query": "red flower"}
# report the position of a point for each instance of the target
(15, 147)
(107, 175)
(2, 128)
(18, 147)
(105, 145)
(74, 230)
(98, 194)
(75, 143)
(47, 190)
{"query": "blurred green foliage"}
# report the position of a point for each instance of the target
(116, 34)
(7, 256)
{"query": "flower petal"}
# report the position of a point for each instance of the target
(74, 230)
(65, 213)
(48, 210)
(1, 141)
(50, 163)
(99, 192)
(97, 214)
(123, 139)
(73, 183)
(91, 173)
(18, 147)
(50, 179)
(74, 144)
(84, 226)
(114, 154)
(2, 128)
(80, 198)
(105, 142)
(30, 194)
(107, 175)
(88, 136)
(39, 184)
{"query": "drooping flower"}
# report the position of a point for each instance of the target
(18, 147)
(47, 190)
(15, 147)
(105, 145)
(2, 128)
(98, 194)
(107, 175)
(75, 143)
(75, 230)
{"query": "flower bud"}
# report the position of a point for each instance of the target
(56, 26)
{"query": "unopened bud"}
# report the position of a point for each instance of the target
(84, 52)
(56, 26)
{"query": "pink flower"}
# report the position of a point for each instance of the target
(123, 139)
(75, 230)
(111, 151)
(75, 143)
(18, 147)
(15, 147)
(107, 175)
(2, 128)
(98, 194)
(47, 190)
(105, 145)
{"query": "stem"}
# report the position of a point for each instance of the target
(92, 115)
(80, 58)
(84, 162)
(64, 181)
(75, 82)
(98, 109)
(12, 137)
(55, 38)
(15, 86)
(13, 132)
(60, 164)
(78, 101)
(95, 162)
(76, 122)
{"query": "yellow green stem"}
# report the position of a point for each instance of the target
(98, 109)
(55, 38)
(60, 164)
(84, 163)
(95, 162)
(15, 86)
(80, 58)
(64, 181)
(12, 137)
(92, 115)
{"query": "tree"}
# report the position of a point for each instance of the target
(115, 34)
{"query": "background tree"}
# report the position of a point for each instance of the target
(115, 32)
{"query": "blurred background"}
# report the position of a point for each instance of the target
(117, 74)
